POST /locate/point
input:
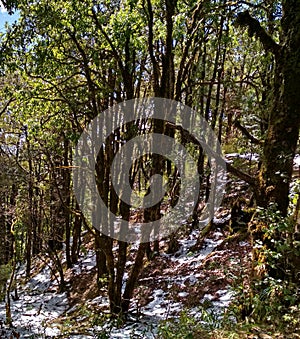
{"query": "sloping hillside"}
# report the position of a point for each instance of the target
(169, 284)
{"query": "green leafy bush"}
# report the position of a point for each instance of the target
(184, 327)
(273, 297)
(209, 323)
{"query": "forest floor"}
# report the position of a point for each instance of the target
(170, 283)
(197, 283)
(196, 280)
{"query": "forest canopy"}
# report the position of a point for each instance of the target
(63, 63)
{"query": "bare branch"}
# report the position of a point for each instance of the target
(247, 134)
(6, 105)
(233, 170)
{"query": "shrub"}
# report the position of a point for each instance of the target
(272, 296)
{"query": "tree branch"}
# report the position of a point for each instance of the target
(246, 133)
(254, 28)
(4, 108)
(233, 170)
(242, 2)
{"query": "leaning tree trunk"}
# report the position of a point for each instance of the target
(284, 116)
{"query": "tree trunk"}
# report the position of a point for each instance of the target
(76, 236)
(30, 207)
(284, 121)
(284, 116)
(100, 258)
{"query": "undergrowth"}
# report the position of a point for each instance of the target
(268, 299)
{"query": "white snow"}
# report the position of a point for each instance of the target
(85, 264)
(39, 302)
(246, 156)
(36, 306)
(297, 160)
(161, 308)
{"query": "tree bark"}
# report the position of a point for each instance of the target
(284, 116)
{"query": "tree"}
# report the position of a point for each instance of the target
(76, 59)
(284, 117)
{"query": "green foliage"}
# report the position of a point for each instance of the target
(186, 327)
(65, 61)
(207, 321)
(282, 248)
(84, 319)
(272, 295)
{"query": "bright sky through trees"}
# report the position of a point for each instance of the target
(5, 17)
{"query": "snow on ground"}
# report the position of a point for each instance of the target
(39, 303)
(246, 156)
(162, 306)
(184, 257)
(86, 263)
